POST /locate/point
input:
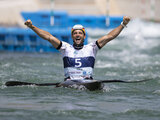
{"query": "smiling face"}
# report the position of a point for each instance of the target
(78, 37)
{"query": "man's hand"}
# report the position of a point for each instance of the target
(126, 20)
(28, 23)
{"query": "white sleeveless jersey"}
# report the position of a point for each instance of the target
(78, 64)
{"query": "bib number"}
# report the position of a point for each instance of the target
(78, 62)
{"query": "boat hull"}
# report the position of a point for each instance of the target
(88, 84)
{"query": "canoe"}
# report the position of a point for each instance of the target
(86, 84)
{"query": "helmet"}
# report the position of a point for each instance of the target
(78, 27)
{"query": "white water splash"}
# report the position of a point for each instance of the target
(157, 92)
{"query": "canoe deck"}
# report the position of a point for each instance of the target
(88, 84)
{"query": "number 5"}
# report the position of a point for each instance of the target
(78, 61)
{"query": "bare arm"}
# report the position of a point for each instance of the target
(113, 34)
(43, 34)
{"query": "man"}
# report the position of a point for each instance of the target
(78, 58)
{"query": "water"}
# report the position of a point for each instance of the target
(134, 55)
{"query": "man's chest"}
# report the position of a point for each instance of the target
(73, 53)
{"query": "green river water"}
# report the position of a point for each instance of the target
(134, 55)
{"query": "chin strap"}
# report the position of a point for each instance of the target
(78, 47)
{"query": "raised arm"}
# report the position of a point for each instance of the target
(43, 34)
(114, 33)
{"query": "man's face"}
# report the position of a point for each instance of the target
(78, 37)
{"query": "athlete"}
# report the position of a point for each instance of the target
(79, 59)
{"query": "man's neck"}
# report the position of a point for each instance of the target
(78, 47)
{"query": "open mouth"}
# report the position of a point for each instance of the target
(78, 38)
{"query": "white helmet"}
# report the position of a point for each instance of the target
(78, 27)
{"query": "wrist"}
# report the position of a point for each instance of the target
(123, 24)
(31, 26)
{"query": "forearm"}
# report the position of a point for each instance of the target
(114, 33)
(43, 34)
(110, 36)
(47, 36)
